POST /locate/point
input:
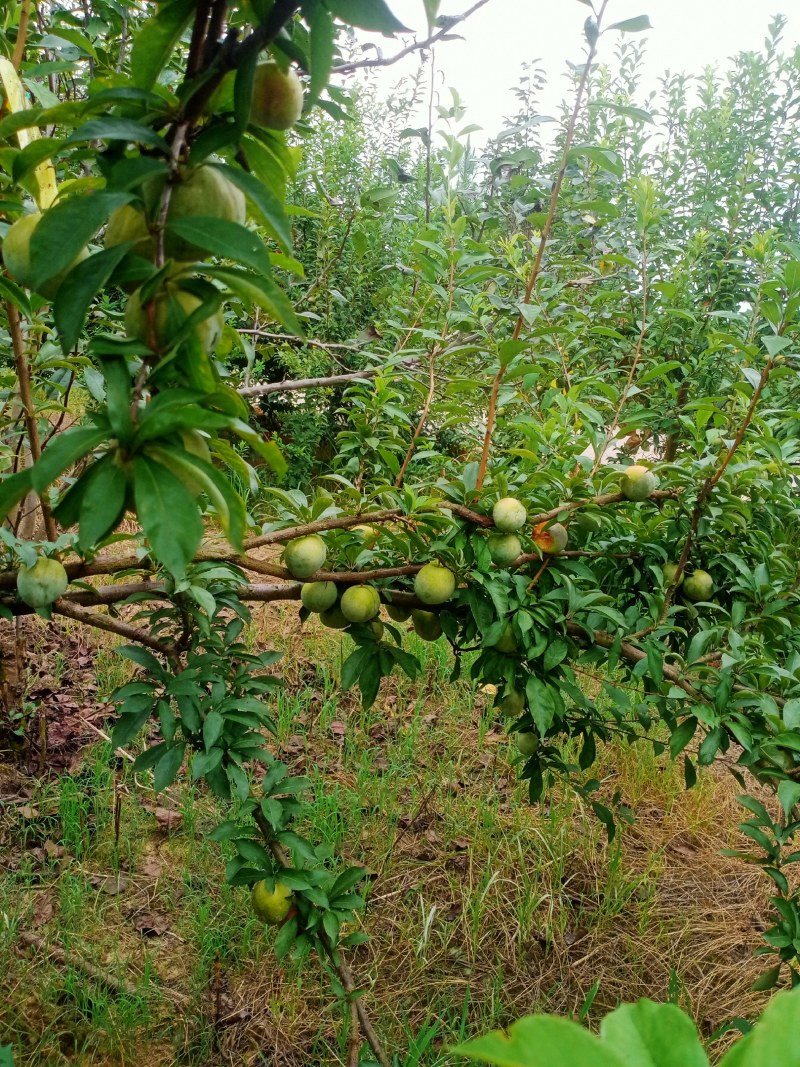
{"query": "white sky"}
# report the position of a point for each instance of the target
(687, 35)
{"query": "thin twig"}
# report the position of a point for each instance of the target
(569, 133)
(283, 859)
(26, 399)
(348, 68)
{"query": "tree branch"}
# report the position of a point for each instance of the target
(348, 68)
(283, 859)
(113, 626)
(26, 399)
(292, 384)
(569, 133)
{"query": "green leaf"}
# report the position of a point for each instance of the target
(634, 25)
(791, 713)
(113, 129)
(205, 762)
(230, 509)
(168, 514)
(13, 488)
(268, 450)
(367, 14)
(267, 205)
(321, 46)
(128, 726)
(682, 735)
(768, 980)
(775, 1039)
(555, 652)
(213, 726)
(6, 1056)
(76, 292)
(262, 292)
(541, 1041)
(156, 39)
(102, 501)
(225, 239)
(62, 452)
(166, 770)
(789, 796)
(64, 231)
(646, 1034)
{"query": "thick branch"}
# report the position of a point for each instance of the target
(341, 522)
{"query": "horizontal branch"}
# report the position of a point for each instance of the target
(601, 501)
(416, 46)
(105, 622)
(105, 565)
(340, 522)
(291, 338)
(289, 385)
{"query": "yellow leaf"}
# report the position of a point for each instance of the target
(15, 98)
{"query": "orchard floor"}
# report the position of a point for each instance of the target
(480, 908)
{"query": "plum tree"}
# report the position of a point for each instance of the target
(491, 369)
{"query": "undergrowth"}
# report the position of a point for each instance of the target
(480, 908)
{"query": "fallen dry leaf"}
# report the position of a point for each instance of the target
(151, 924)
(43, 911)
(167, 818)
(111, 884)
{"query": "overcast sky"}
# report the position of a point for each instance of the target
(687, 35)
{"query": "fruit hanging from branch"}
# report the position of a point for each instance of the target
(509, 514)
(277, 102)
(319, 596)
(304, 556)
(272, 906)
(172, 306)
(434, 584)
(360, 603)
(638, 483)
(697, 586)
(42, 583)
(504, 548)
(16, 250)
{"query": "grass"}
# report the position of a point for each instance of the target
(482, 909)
